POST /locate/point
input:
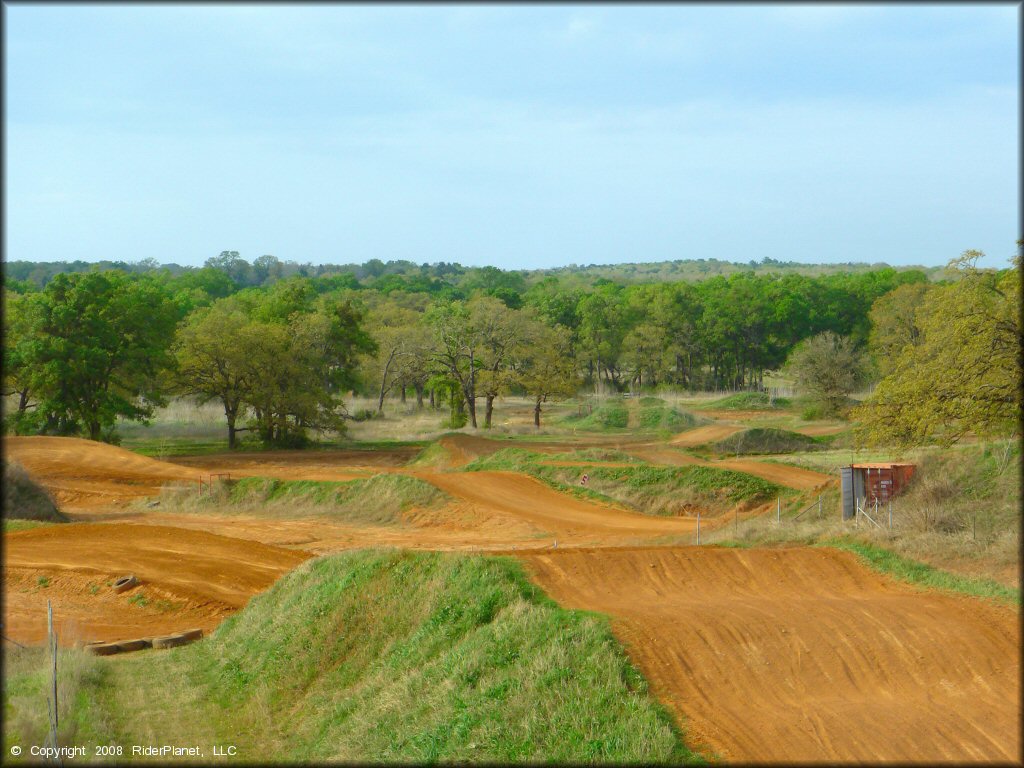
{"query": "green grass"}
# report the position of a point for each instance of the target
(10, 526)
(608, 416)
(643, 487)
(747, 401)
(377, 656)
(921, 574)
(380, 499)
(765, 440)
(656, 415)
(432, 455)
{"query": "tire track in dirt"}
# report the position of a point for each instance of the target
(198, 577)
(802, 654)
(573, 520)
(707, 434)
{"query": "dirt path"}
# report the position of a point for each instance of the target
(802, 655)
(706, 434)
(83, 473)
(572, 520)
(190, 578)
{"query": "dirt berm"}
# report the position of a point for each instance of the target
(803, 655)
(188, 579)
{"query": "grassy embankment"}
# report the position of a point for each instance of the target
(370, 656)
(960, 513)
(768, 440)
(380, 499)
(25, 500)
(650, 414)
(649, 489)
(748, 401)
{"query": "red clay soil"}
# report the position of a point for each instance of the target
(84, 473)
(803, 655)
(570, 519)
(815, 430)
(783, 474)
(707, 434)
(300, 465)
(188, 578)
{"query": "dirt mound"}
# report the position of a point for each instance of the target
(189, 578)
(797, 655)
(765, 440)
(702, 435)
(783, 474)
(819, 430)
(570, 519)
(464, 448)
(85, 473)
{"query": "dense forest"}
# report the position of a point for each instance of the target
(278, 344)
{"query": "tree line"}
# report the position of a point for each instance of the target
(91, 347)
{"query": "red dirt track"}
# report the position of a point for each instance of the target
(197, 578)
(769, 655)
(802, 655)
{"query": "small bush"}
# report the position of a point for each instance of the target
(25, 499)
(748, 401)
(765, 440)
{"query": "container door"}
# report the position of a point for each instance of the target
(846, 473)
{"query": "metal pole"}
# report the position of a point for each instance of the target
(819, 505)
(52, 642)
(778, 509)
(736, 521)
(698, 527)
(890, 514)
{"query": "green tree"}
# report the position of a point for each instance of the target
(547, 368)
(101, 350)
(894, 325)
(19, 338)
(214, 353)
(964, 374)
(456, 348)
(828, 368)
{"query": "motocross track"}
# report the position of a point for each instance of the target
(802, 655)
(188, 579)
(83, 473)
(782, 655)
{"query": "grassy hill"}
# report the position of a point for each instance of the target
(373, 656)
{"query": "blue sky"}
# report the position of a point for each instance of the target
(522, 136)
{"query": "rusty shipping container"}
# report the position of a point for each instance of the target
(875, 481)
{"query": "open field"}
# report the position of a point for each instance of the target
(781, 652)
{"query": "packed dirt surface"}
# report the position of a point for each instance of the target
(783, 474)
(572, 520)
(83, 473)
(816, 430)
(707, 434)
(300, 465)
(766, 655)
(189, 578)
(802, 655)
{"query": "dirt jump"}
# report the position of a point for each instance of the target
(83, 473)
(767, 655)
(187, 578)
(802, 655)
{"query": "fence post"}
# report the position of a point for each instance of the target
(698, 527)
(52, 704)
(778, 510)
(890, 514)
(819, 506)
(736, 522)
